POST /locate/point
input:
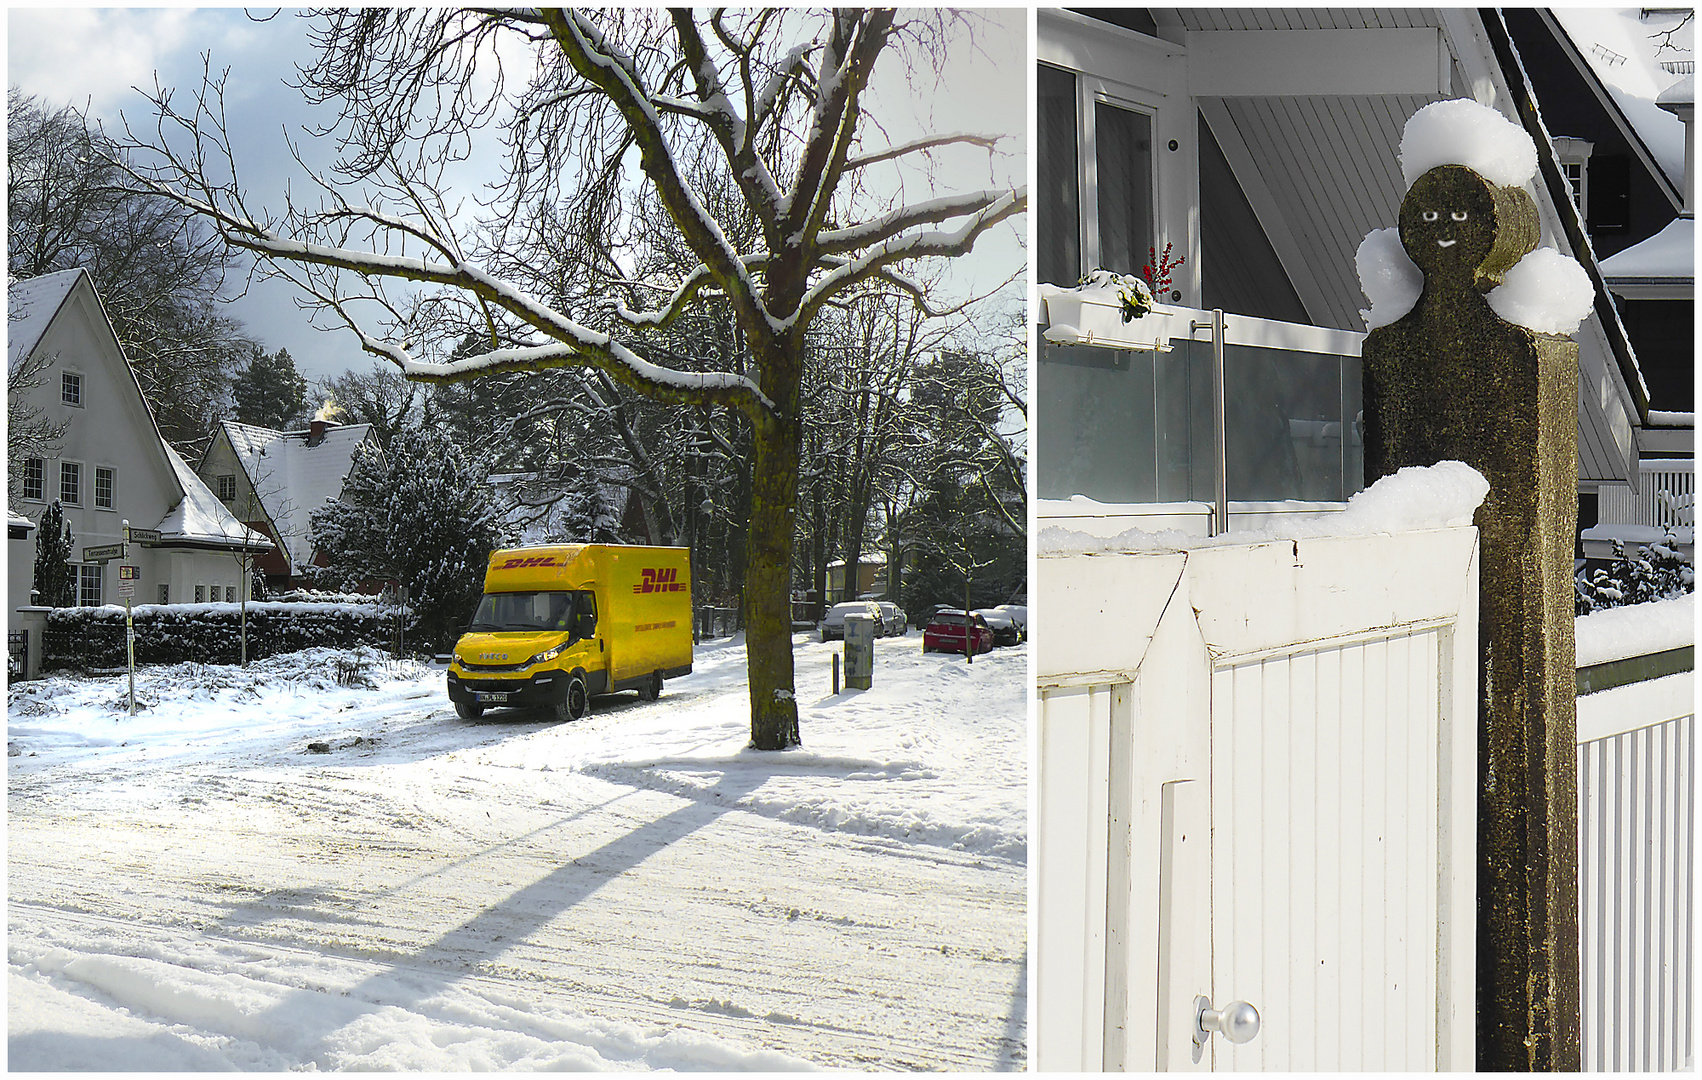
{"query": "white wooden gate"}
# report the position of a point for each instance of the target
(1257, 781)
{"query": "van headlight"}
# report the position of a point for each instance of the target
(547, 655)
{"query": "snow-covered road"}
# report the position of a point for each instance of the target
(194, 888)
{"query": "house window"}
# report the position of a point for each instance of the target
(88, 585)
(1096, 170)
(35, 472)
(104, 482)
(1574, 157)
(227, 488)
(70, 483)
(200, 594)
(71, 388)
(230, 594)
(165, 593)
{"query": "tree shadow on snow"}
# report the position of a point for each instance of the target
(493, 930)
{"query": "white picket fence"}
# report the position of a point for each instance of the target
(1257, 777)
(1636, 874)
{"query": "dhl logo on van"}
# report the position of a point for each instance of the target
(535, 560)
(660, 581)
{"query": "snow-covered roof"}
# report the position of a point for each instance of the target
(1668, 255)
(31, 305)
(293, 479)
(1620, 49)
(16, 520)
(200, 516)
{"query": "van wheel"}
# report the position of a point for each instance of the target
(577, 703)
(652, 688)
(469, 710)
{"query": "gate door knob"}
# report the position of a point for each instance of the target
(1238, 1021)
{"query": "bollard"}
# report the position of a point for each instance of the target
(835, 674)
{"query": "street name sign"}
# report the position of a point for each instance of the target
(103, 553)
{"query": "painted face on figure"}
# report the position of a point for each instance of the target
(1448, 223)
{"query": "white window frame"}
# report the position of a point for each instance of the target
(111, 472)
(1574, 153)
(41, 480)
(165, 592)
(224, 480)
(77, 467)
(1150, 75)
(65, 384)
(99, 579)
(200, 593)
(1091, 92)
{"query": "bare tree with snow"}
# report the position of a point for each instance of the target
(771, 100)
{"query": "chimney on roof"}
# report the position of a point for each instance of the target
(1680, 100)
(315, 432)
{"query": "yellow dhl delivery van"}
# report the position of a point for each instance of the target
(558, 625)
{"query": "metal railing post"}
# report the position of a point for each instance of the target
(1220, 516)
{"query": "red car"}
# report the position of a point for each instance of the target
(946, 629)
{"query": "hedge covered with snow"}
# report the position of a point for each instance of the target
(93, 637)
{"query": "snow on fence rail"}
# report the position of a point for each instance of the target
(1637, 827)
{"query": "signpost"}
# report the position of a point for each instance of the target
(127, 575)
(105, 552)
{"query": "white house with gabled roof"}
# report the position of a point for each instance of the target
(275, 480)
(113, 465)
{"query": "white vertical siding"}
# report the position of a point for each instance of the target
(1637, 817)
(1324, 861)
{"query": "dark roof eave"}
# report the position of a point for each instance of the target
(1513, 71)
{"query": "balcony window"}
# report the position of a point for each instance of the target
(1096, 171)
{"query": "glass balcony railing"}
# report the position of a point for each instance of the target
(1127, 412)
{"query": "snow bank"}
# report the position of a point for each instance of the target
(1387, 276)
(1462, 132)
(1437, 496)
(1636, 630)
(1545, 291)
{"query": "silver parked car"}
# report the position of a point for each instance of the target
(896, 622)
(833, 623)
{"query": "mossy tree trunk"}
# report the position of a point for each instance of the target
(768, 554)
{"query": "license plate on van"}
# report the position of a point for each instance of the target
(491, 697)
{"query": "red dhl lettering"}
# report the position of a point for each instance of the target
(536, 560)
(660, 581)
(641, 627)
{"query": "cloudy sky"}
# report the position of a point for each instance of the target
(94, 57)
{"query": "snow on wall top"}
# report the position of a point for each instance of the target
(15, 518)
(1636, 630)
(1670, 253)
(200, 515)
(1462, 132)
(31, 305)
(293, 479)
(1622, 52)
(1432, 497)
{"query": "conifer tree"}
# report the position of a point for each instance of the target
(55, 580)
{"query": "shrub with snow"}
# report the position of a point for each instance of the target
(1657, 572)
(93, 637)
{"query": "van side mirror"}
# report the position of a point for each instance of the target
(585, 624)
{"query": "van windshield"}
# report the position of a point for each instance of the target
(524, 611)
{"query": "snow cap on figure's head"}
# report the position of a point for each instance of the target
(1462, 132)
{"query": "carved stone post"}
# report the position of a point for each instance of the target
(1453, 380)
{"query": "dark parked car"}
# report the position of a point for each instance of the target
(946, 629)
(1006, 630)
(833, 623)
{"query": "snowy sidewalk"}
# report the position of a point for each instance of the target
(634, 891)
